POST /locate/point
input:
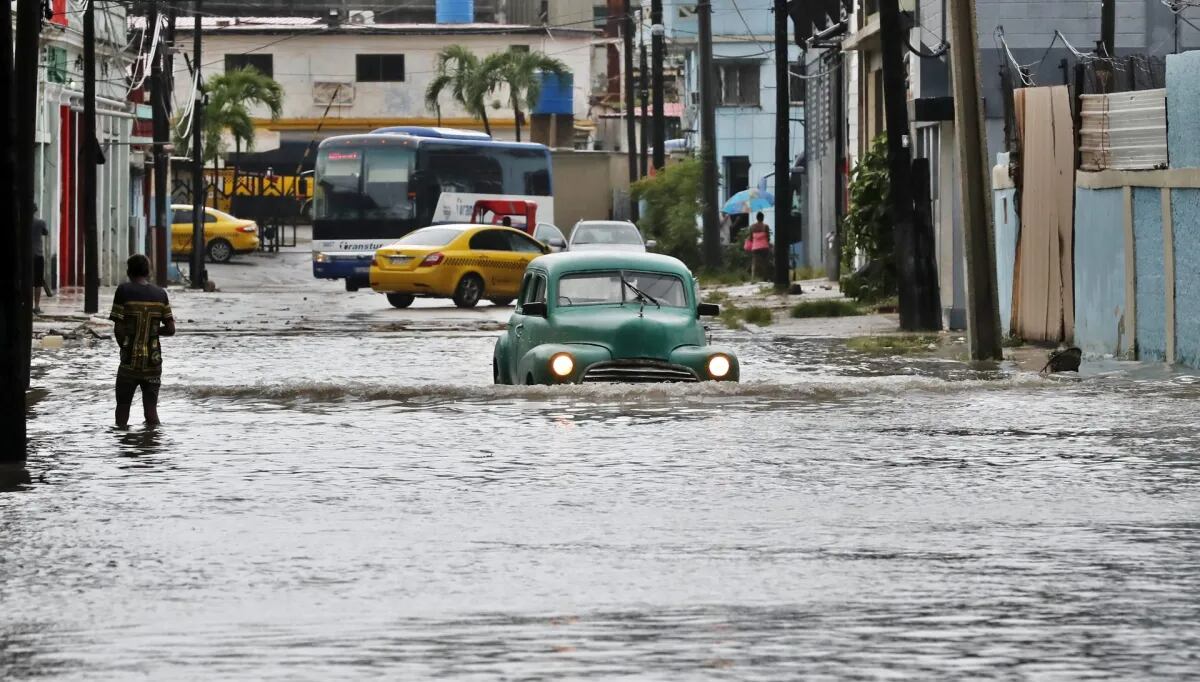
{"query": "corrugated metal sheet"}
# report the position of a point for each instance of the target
(1124, 131)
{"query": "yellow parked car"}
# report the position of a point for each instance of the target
(224, 235)
(462, 262)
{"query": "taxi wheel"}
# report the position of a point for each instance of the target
(468, 292)
(401, 300)
(220, 251)
(502, 302)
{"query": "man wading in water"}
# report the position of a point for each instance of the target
(141, 314)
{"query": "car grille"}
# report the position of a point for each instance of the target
(638, 372)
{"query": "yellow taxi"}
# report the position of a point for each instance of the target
(461, 262)
(224, 235)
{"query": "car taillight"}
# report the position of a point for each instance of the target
(248, 229)
(432, 260)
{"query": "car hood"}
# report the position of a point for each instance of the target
(638, 248)
(651, 335)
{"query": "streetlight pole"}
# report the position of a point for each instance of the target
(630, 104)
(708, 140)
(87, 165)
(197, 262)
(783, 155)
(656, 55)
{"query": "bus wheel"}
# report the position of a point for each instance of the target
(468, 292)
(401, 300)
(351, 285)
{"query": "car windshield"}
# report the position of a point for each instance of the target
(430, 236)
(594, 288)
(606, 233)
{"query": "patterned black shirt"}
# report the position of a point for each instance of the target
(139, 310)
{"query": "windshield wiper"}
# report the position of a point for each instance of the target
(641, 295)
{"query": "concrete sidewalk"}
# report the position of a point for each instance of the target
(762, 294)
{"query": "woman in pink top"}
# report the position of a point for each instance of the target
(759, 246)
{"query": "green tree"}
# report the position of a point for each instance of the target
(230, 98)
(463, 73)
(521, 71)
(672, 199)
(867, 229)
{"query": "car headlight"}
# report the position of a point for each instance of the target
(719, 366)
(562, 365)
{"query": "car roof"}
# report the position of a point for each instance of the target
(469, 227)
(580, 261)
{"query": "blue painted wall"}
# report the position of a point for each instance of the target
(1183, 110)
(1150, 274)
(1100, 271)
(1185, 214)
(1007, 228)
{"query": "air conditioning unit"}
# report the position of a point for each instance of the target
(326, 93)
(362, 17)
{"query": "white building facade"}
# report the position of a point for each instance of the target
(356, 76)
(120, 215)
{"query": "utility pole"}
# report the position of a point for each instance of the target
(87, 166)
(25, 65)
(644, 87)
(199, 276)
(18, 91)
(783, 152)
(161, 121)
(983, 316)
(1108, 28)
(916, 311)
(630, 104)
(656, 54)
(708, 140)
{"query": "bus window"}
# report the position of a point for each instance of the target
(336, 196)
(465, 169)
(528, 171)
(386, 185)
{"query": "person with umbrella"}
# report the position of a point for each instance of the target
(758, 244)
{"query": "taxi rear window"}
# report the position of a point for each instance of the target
(430, 236)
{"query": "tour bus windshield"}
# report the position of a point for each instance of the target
(367, 183)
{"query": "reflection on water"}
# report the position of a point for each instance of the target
(334, 506)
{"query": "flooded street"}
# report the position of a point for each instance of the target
(339, 491)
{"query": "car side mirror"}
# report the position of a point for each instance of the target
(534, 309)
(557, 243)
(651, 244)
(708, 310)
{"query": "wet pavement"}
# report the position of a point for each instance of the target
(339, 492)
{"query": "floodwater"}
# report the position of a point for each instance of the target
(350, 497)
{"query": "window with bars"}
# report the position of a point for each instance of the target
(738, 84)
(380, 68)
(265, 63)
(797, 84)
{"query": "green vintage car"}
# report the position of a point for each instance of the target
(609, 317)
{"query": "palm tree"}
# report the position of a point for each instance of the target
(230, 97)
(458, 69)
(522, 70)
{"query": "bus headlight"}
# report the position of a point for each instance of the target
(719, 366)
(562, 365)
(320, 257)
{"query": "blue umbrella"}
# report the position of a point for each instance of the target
(748, 201)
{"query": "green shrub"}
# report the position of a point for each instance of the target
(826, 307)
(893, 345)
(672, 199)
(867, 228)
(758, 315)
